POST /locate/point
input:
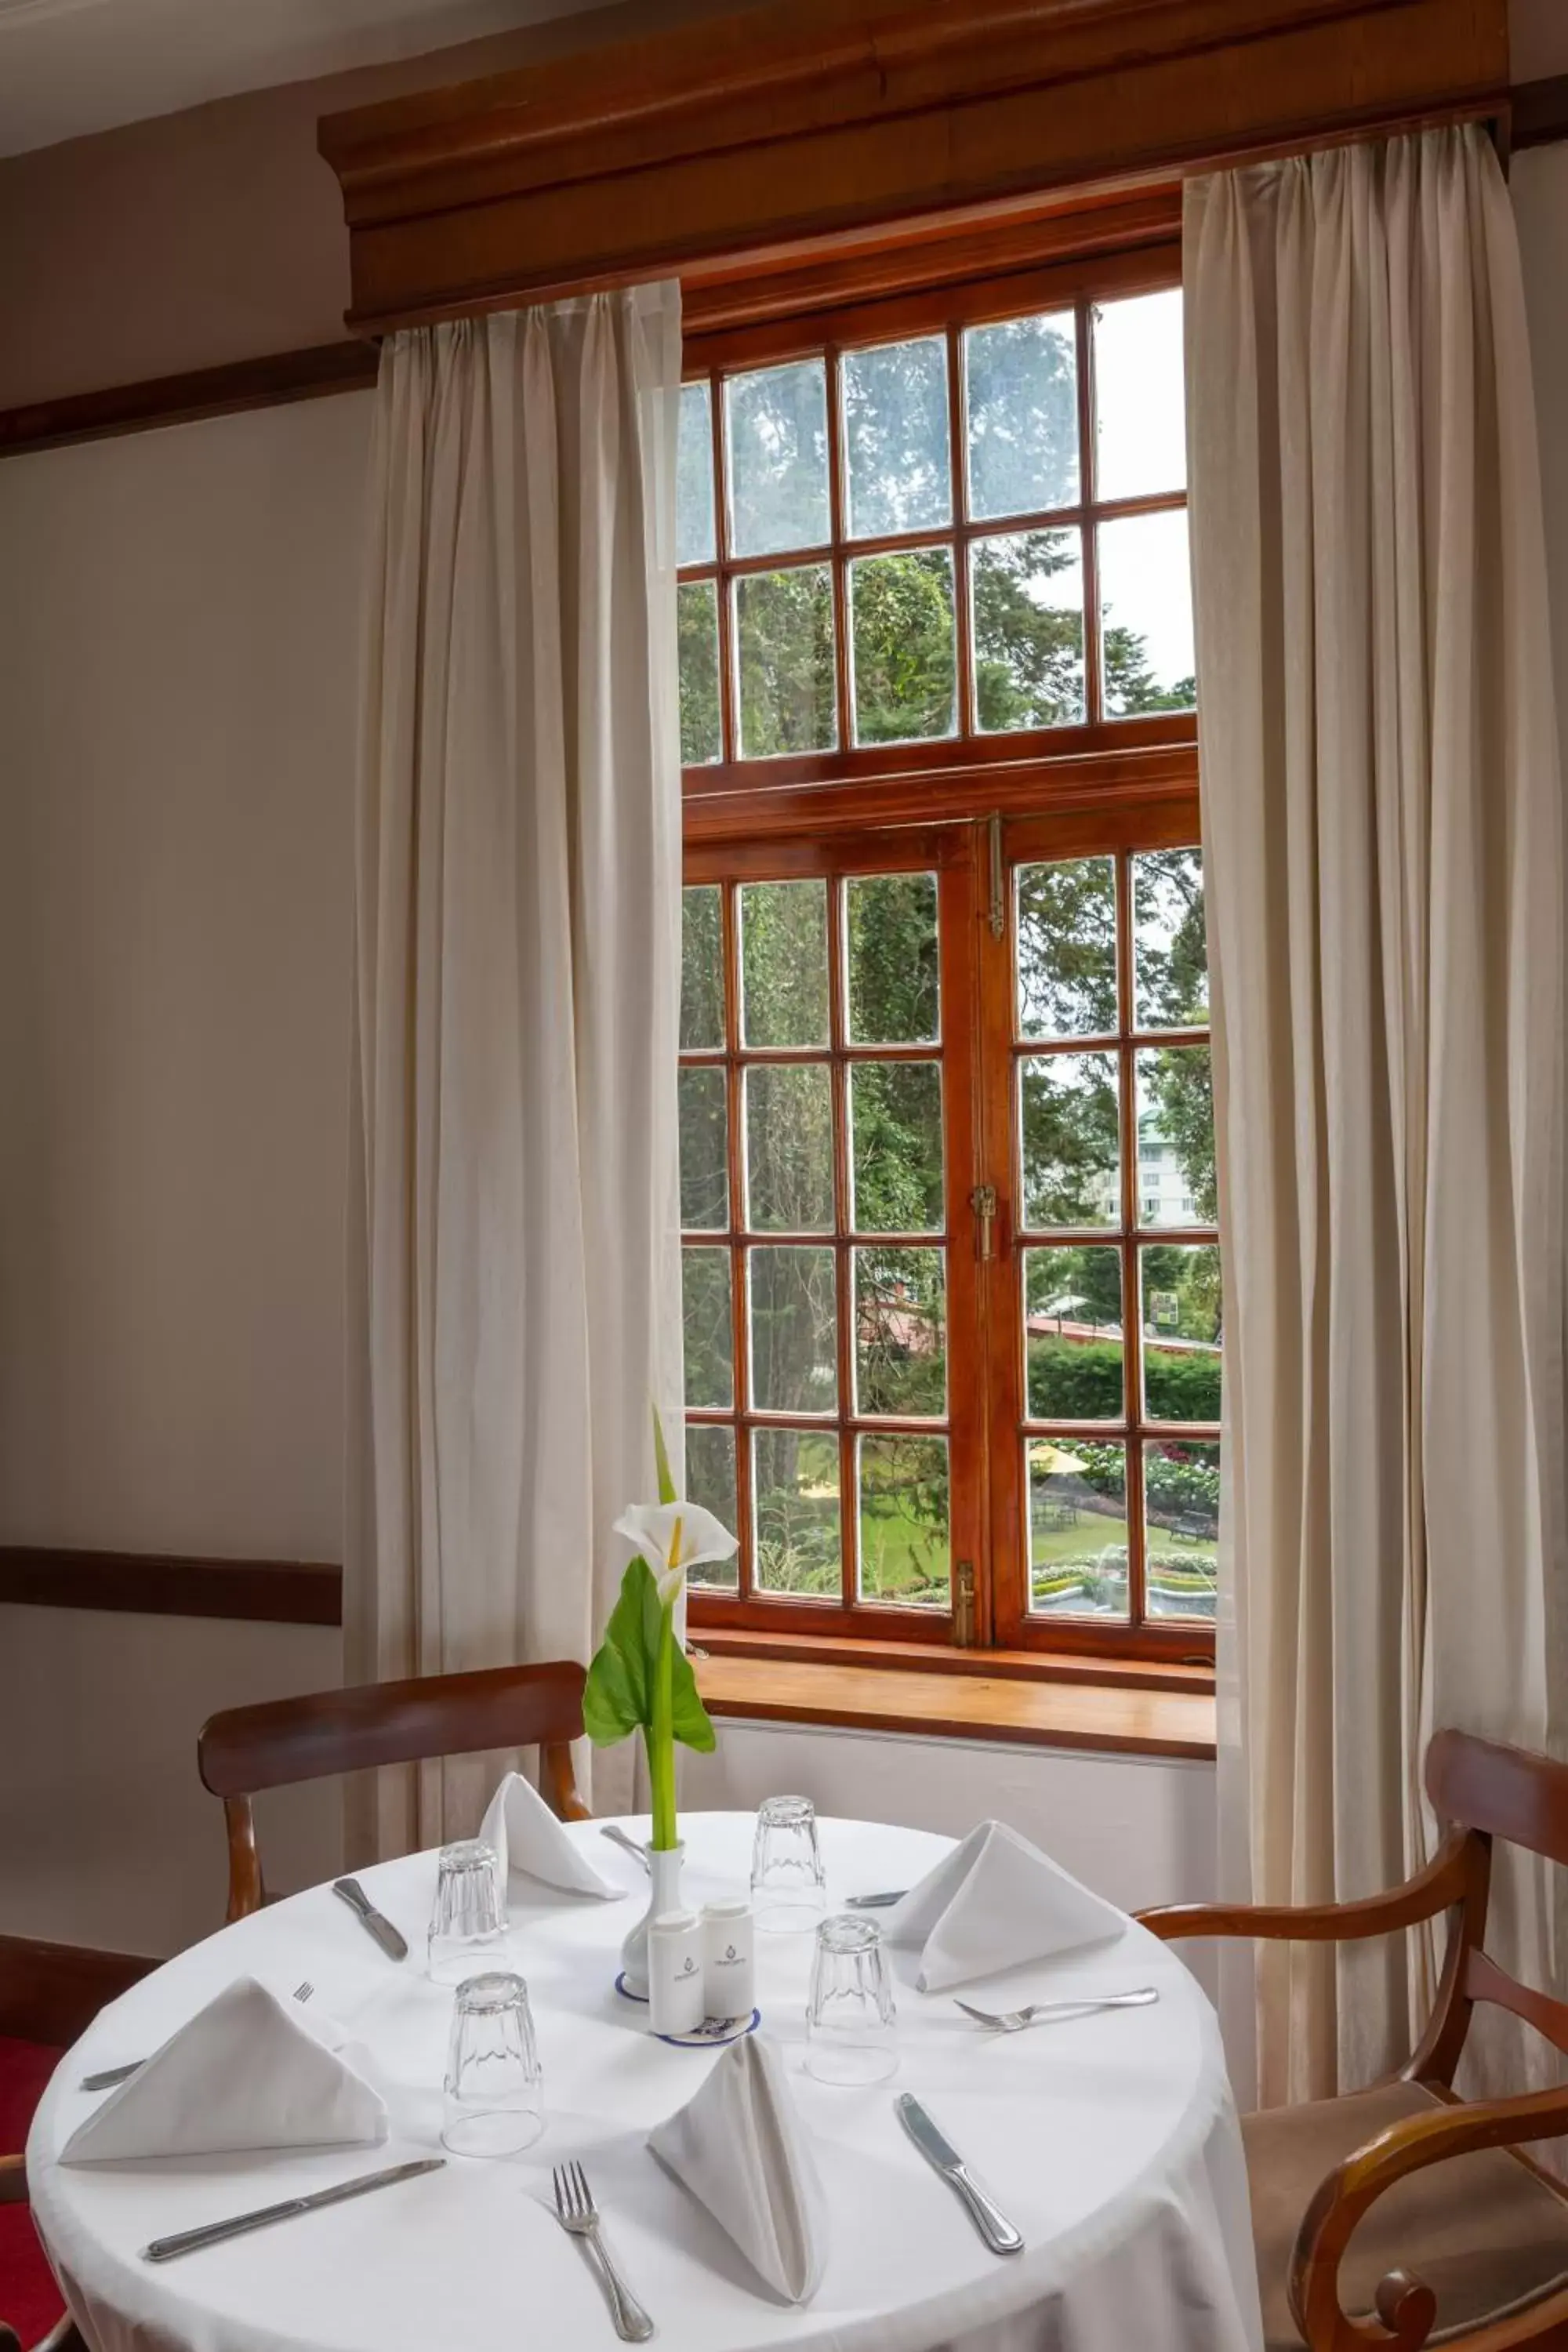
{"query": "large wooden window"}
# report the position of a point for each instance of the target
(951, 1286)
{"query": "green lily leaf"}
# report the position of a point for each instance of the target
(618, 1694)
(667, 1493)
(692, 1724)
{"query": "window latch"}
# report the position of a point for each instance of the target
(963, 1630)
(983, 1200)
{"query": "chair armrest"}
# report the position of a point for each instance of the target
(1406, 2308)
(13, 2179)
(1445, 1881)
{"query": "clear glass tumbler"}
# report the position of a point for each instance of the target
(789, 1888)
(851, 2025)
(494, 2086)
(468, 1926)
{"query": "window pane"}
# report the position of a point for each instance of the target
(1072, 1334)
(1181, 1517)
(890, 933)
(1181, 1331)
(1027, 606)
(898, 472)
(697, 629)
(792, 1301)
(1078, 1528)
(1021, 388)
(896, 1122)
(694, 477)
(901, 1332)
(704, 1150)
(903, 638)
(783, 648)
(776, 422)
(784, 963)
(709, 1334)
(1140, 441)
(795, 1488)
(1175, 1138)
(701, 968)
(903, 1521)
(1065, 930)
(1146, 614)
(1170, 949)
(711, 1482)
(789, 1148)
(1071, 1120)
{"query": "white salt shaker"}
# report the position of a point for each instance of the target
(729, 1960)
(675, 1972)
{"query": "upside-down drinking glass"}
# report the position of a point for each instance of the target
(467, 1925)
(495, 2100)
(851, 2026)
(789, 1890)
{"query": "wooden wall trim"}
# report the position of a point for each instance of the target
(311, 375)
(52, 1992)
(744, 144)
(257, 1592)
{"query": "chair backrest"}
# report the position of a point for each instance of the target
(249, 1749)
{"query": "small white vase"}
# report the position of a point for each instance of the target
(666, 1897)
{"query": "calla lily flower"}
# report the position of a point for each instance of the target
(673, 1538)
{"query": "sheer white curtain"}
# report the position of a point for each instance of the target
(1384, 851)
(513, 1246)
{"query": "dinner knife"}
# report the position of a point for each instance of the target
(369, 1918)
(213, 2233)
(876, 1902)
(943, 2156)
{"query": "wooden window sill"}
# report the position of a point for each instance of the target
(1111, 1716)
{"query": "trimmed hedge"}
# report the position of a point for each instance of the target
(1078, 1379)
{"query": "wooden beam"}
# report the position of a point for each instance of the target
(311, 375)
(1540, 111)
(259, 1591)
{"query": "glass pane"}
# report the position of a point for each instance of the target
(1071, 1121)
(904, 642)
(704, 1150)
(1021, 390)
(701, 968)
(1181, 1521)
(890, 925)
(1170, 949)
(898, 472)
(1182, 1321)
(1139, 409)
(1065, 930)
(1078, 1528)
(694, 477)
(795, 1489)
(901, 1332)
(783, 648)
(711, 1482)
(1027, 606)
(784, 963)
(1146, 614)
(709, 1334)
(792, 1300)
(896, 1126)
(1072, 1334)
(776, 425)
(1175, 1138)
(789, 1148)
(903, 1521)
(696, 631)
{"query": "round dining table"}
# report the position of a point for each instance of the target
(1109, 2139)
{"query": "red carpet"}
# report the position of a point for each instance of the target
(29, 2299)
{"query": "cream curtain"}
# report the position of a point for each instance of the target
(513, 1248)
(1383, 851)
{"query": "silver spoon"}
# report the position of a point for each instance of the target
(618, 1836)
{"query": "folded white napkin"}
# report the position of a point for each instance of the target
(245, 2073)
(743, 2150)
(527, 1836)
(993, 1903)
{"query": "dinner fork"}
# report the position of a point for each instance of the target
(1014, 2021)
(112, 2076)
(576, 2213)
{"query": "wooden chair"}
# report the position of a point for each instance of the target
(1404, 2216)
(249, 1749)
(62, 2336)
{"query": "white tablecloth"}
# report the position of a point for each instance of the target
(1110, 2141)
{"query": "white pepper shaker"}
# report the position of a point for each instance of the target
(729, 1957)
(675, 1972)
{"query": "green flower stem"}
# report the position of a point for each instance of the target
(661, 1738)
